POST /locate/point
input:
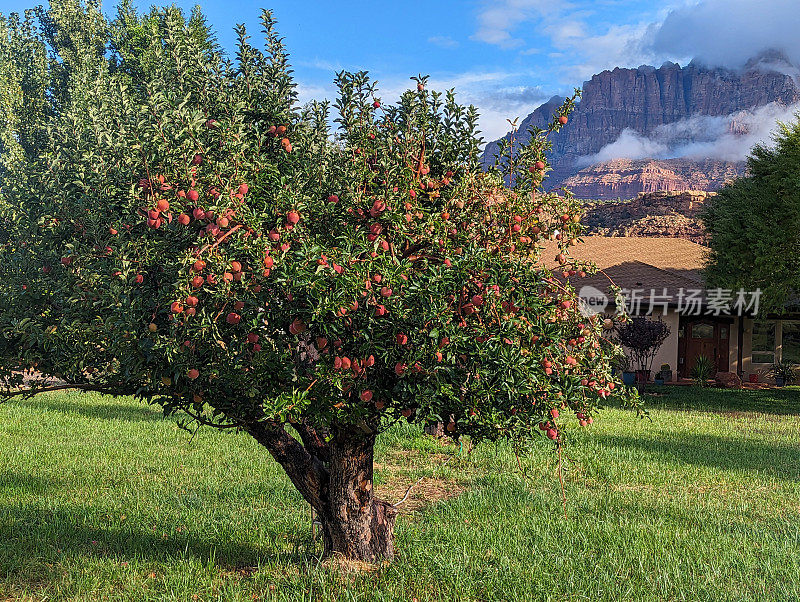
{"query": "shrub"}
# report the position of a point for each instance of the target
(703, 370)
(785, 371)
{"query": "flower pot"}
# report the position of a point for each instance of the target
(666, 375)
(660, 381)
(780, 381)
(642, 376)
(754, 378)
(628, 378)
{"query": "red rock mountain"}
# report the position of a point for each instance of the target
(625, 178)
(643, 100)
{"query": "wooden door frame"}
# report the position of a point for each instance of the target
(721, 346)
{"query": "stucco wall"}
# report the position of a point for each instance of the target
(668, 354)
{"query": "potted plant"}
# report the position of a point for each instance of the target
(703, 370)
(784, 373)
(659, 379)
(623, 364)
(666, 373)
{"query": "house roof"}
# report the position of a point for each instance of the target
(637, 263)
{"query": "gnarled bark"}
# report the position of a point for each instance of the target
(338, 485)
(354, 523)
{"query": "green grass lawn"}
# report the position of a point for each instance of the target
(103, 499)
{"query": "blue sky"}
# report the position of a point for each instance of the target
(505, 56)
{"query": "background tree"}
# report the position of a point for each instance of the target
(189, 236)
(643, 337)
(754, 223)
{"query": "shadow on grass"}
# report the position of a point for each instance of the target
(781, 401)
(11, 480)
(776, 460)
(103, 411)
(39, 536)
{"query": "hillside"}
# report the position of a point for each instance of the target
(659, 214)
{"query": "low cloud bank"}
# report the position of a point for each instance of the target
(726, 138)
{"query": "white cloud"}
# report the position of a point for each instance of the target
(578, 38)
(727, 138)
(728, 32)
(499, 18)
(443, 41)
(322, 65)
(629, 145)
(619, 46)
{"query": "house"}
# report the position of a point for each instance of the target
(663, 277)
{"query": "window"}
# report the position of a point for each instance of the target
(763, 342)
(791, 342)
(703, 331)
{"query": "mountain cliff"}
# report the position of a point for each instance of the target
(625, 178)
(664, 110)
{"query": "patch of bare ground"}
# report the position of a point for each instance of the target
(398, 471)
(345, 566)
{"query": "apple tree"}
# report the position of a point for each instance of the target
(187, 234)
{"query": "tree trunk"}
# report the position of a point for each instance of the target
(335, 477)
(355, 524)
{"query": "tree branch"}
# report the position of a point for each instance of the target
(306, 471)
(81, 387)
(313, 439)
